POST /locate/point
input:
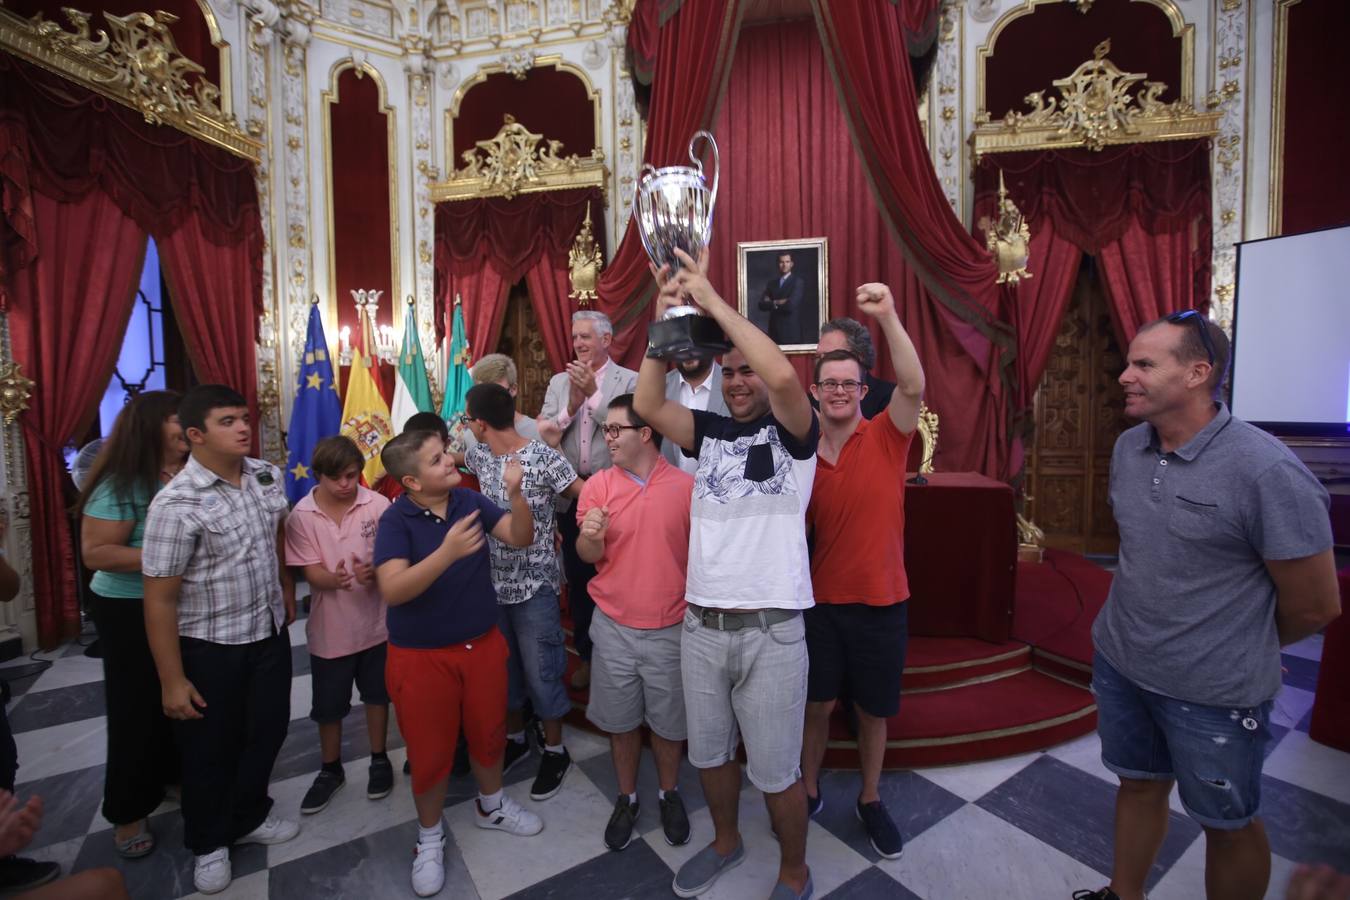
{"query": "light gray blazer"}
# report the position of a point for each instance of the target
(716, 404)
(617, 380)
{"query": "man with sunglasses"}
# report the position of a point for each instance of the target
(634, 524)
(857, 631)
(1225, 556)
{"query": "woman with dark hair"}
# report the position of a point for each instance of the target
(144, 452)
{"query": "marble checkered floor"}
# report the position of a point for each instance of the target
(1031, 826)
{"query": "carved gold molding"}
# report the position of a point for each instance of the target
(519, 161)
(584, 262)
(928, 438)
(1008, 238)
(1277, 107)
(15, 391)
(139, 65)
(1097, 106)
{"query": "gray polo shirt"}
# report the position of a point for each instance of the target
(1191, 613)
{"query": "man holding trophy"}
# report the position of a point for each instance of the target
(743, 648)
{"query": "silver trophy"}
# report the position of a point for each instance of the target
(674, 209)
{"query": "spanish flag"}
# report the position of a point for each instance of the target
(365, 415)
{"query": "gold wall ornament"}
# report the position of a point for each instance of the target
(15, 391)
(519, 161)
(1008, 238)
(139, 66)
(1097, 106)
(584, 262)
(928, 438)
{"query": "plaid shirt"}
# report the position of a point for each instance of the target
(222, 540)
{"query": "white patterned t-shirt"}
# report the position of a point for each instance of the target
(518, 573)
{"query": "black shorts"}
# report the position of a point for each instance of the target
(858, 649)
(331, 683)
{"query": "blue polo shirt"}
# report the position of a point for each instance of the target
(460, 604)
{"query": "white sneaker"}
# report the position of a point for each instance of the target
(511, 817)
(273, 830)
(211, 874)
(428, 871)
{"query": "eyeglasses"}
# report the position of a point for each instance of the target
(612, 431)
(463, 419)
(830, 385)
(1190, 315)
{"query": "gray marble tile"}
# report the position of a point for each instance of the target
(167, 872)
(300, 751)
(1304, 826)
(914, 802)
(300, 659)
(1291, 705)
(42, 709)
(69, 802)
(600, 769)
(376, 865)
(636, 872)
(1074, 812)
(1299, 671)
(872, 884)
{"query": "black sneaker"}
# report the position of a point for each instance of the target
(674, 820)
(325, 785)
(619, 831)
(1104, 894)
(407, 767)
(553, 768)
(18, 874)
(381, 780)
(814, 805)
(881, 831)
(515, 752)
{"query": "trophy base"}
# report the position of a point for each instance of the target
(686, 337)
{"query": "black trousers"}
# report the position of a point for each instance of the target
(579, 574)
(227, 755)
(142, 755)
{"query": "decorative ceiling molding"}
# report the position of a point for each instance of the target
(1097, 106)
(518, 161)
(139, 66)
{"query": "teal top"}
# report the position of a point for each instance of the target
(103, 503)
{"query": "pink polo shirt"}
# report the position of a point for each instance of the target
(340, 622)
(639, 580)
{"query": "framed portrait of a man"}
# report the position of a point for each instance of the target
(783, 288)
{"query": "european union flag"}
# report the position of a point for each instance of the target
(317, 412)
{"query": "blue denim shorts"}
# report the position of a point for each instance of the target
(1214, 753)
(534, 636)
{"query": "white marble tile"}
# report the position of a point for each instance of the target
(61, 748)
(501, 864)
(1308, 648)
(832, 862)
(972, 781)
(1085, 753)
(1300, 760)
(302, 695)
(350, 815)
(973, 853)
(1291, 705)
(297, 631)
(247, 887)
(581, 744)
(1186, 879)
(66, 672)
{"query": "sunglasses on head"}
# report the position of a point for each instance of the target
(1190, 315)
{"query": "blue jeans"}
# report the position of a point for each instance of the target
(534, 635)
(1214, 753)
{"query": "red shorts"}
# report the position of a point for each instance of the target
(434, 691)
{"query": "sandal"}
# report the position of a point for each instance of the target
(140, 844)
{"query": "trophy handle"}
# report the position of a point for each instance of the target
(647, 171)
(717, 164)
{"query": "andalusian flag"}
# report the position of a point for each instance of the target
(412, 391)
(457, 380)
(365, 415)
(316, 412)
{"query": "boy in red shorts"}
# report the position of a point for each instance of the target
(447, 660)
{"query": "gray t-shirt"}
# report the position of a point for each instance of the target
(518, 573)
(1191, 613)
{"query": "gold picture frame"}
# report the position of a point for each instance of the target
(802, 293)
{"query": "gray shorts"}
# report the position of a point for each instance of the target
(749, 683)
(635, 678)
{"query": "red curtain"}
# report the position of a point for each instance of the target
(1149, 274)
(69, 309)
(483, 293)
(549, 285)
(776, 189)
(205, 282)
(1036, 305)
(694, 51)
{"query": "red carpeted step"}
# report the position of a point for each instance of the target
(1027, 711)
(940, 663)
